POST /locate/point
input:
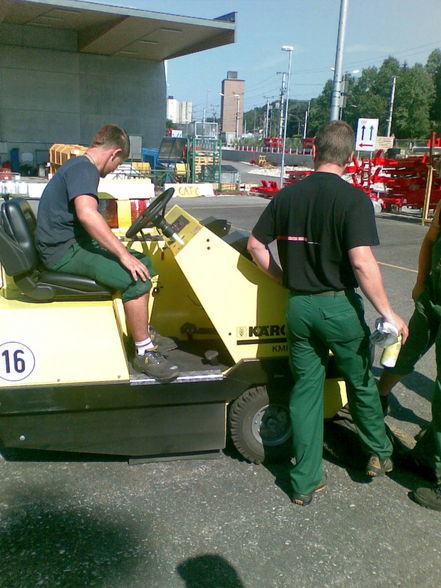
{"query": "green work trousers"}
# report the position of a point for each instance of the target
(315, 325)
(424, 331)
(93, 261)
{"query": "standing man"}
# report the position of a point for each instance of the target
(424, 331)
(73, 237)
(324, 230)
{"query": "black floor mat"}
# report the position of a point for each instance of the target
(191, 358)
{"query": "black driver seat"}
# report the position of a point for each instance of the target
(20, 259)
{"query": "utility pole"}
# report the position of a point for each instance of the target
(338, 70)
(289, 49)
(266, 124)
(237, 96)
(305, 124)
(391, 107)
(282, 103)
(343, 96)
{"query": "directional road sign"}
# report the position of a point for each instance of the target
(366, 134)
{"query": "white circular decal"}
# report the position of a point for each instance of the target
(17, 361)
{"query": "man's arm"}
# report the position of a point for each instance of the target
(264, 259)
(86, 208)
(370, 280)
(425, 255)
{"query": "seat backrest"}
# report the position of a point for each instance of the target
(19, 258)
(17, 227)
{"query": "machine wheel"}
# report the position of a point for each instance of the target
(260, 426)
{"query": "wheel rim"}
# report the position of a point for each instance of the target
(271, 425)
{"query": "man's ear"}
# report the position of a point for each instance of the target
(116, 153)
(314, 152)
(351, 157)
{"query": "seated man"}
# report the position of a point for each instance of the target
(73, 237)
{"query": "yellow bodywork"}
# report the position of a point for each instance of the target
(245, 306)
(60, 343)
(204, 286)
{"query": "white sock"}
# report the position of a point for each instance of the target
(143, 346)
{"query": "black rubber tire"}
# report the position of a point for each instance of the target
(248, 413)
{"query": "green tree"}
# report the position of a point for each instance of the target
(435, 111)
(319, 110)
(433, 66)
(417, 107)
(254, 119)
(296, 118)
(413, 103)
(362, 99)
(434, 62)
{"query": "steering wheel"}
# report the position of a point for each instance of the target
(152, 215)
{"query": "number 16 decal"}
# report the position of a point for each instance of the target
(16, 361)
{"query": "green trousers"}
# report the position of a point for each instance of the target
(93, 261)
(315, 325)
(424, 331)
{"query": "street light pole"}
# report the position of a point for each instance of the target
(305, 124)
(391, 107)
(266, 125)
(237, 96)
(336, 90)
(345, 91)
(282, 103)
(289, 49)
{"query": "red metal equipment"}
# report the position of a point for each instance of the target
(400, 182)
(267, 188)
(273, 144)
(307, 143)
(389, 183)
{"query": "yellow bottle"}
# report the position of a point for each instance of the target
(390, 354)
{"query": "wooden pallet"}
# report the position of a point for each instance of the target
(60, 153)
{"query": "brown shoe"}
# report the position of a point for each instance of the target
(305, 499)
(378, 467)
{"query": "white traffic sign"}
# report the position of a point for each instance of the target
(366, 134)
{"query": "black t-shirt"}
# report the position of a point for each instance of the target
(316, 222)
(57, 223)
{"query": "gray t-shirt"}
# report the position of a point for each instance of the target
(57, 224)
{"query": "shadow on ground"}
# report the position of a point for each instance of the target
(343, 448)
(51, 540)
(209, 570)
(417, 383)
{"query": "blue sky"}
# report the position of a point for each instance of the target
(406, 29)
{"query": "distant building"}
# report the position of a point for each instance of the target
(232, 103)
(179, 112)
(67, 68)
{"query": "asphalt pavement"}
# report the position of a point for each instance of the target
(224, 522)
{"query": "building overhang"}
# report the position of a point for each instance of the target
(122, 32)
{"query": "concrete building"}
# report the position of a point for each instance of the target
(179, 112)
(68, 67)
(232, 103)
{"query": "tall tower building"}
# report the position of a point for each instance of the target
(232, 102)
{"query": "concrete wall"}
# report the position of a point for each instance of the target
(50, 93)
(290, 158)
